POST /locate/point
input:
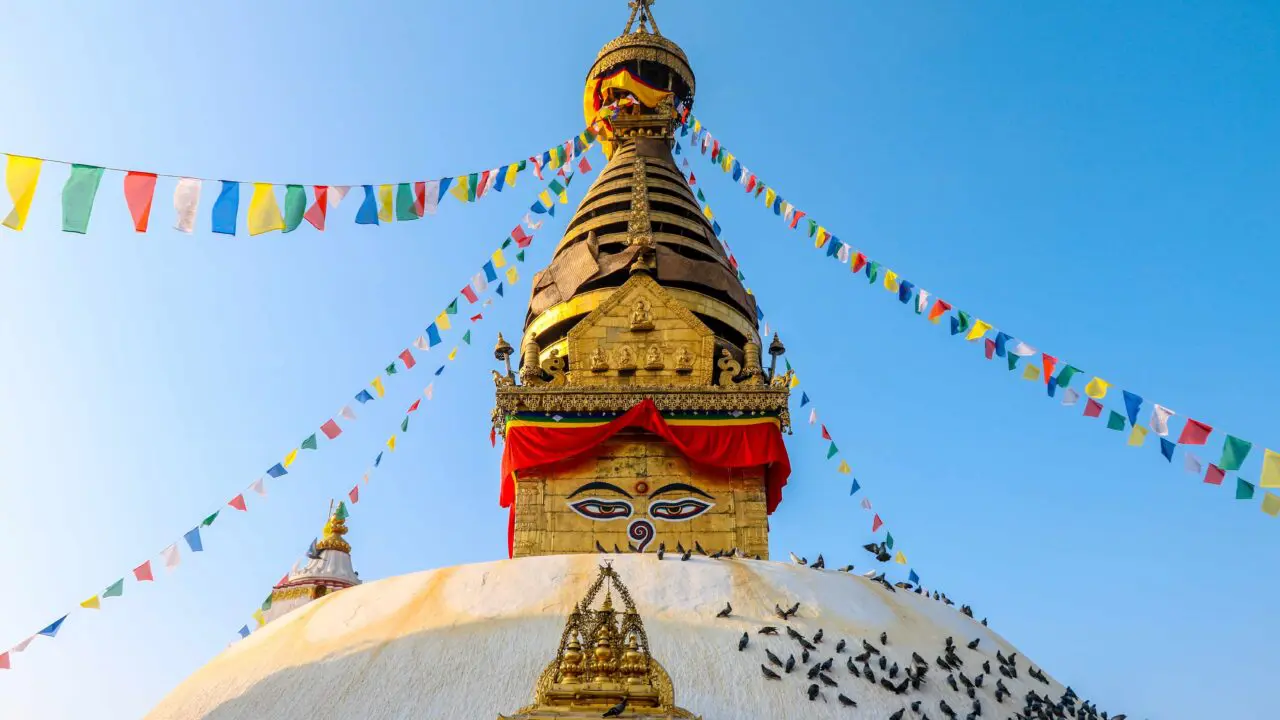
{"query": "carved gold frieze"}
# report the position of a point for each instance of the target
(617, 399)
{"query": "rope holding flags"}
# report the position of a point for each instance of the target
(1051, 373)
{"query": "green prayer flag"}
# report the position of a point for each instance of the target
(888, 540)
(391, 369)
(115, 589)
(404, 424)
(266, 604)
(520, 256)
(522, 166)
(1234, 451)
(788, 362)
(813, 227)
(1244, 490)
(310, 443)
(77, 197)
(741, 277)
(701, 197)
(453, 307)
(1064, 375)
(404, 202)
(295, 206)
(873, 271)
(1115, 421)
(209, 520)
(506, 243)
(466, 337)
(965, 321)
(1013, 361)
(472, 180)
(831, 451)
(341, 512)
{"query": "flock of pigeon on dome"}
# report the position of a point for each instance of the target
(871, 662)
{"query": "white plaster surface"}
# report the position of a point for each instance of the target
(469, 642)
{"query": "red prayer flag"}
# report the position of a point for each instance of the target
(990, 348)
(316, 213)
(331, 429)
(1214, 475)
(1093, 408)
(751, 183)
(537, 166)
(825, 435)
(1194, 433)
(859, 262)
(477, 317)
(715, 150)
(1049, 362)
(407, 358)
(796, 218)
(354, 494)
(414, 406)
(484, 183)
(4, 660)
(521, 237)
(469, 294)
(493, 437)
(583, 165)
(143, 572)
(283, 580)
(940, 308)
(139, 188)
(237, 502)
(419, 198)
(877, 523)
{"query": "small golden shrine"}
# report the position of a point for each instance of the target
(603, 660)
(641, 414)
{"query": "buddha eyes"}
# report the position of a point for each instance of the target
(683, 509)
(597, 509)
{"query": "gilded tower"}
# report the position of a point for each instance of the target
(641, 414)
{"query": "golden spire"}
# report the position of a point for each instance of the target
(643, 8)
(334, 529)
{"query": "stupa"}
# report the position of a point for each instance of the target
(327, 569)
(643, 455)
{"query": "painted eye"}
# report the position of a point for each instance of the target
(597, 509)
(676, 510)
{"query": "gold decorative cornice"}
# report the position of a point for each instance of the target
(596, 399)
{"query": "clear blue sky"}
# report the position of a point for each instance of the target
(1100, 178)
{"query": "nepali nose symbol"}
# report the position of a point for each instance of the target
(641, 532)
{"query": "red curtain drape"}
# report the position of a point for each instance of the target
(724, 446)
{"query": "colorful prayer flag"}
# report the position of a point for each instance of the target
(1097, 388)
(226, 208)
(1166, 448)
(377, 387)
(1192, 463)
(295, 207)
(844, 468)
(310, 443)
(278, 470)
(319, 209)
(853, 486)
(1194, 433)
(77, 197)
(237, 502)
(900, 558)
(1070, 397)
(1160, 419)
(264, 211)
(1234, 451)
(1031, 372)
(171, 556)
(980, 329)
(139, 189)
(51, 630)
(1271, 504)
(1137, 435)
(354, 494)
(876, 523)
(1214, 475)
(186, 201)
(1093, 408)
(831, 451)
(1270, 470)
(21, 176)
(368, 212)
(143, 572)
(291, 457)
(115, 589)
(391, 443)
(1244, 490)
(92, 603)
(193, 540)
(1115, 421)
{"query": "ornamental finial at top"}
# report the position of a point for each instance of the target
(643, 9)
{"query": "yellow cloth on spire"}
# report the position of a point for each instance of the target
(1137, 436)
(1270, 469)
(1032, 372)
(391, 443)
(499, 260)
(890, 281)
(288, 459)
(377, 387)
(20, 176)
(92, 603)
(844, 468)
(1271, 504)
(459, 188)
(600, 92)
(979, 329)
(512, 275)
(442, 321)
(900, 558)
(386, 203)
(1097, 388)
(453, 353)
(264, 211)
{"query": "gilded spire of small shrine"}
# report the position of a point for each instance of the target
(642, 10)
(334, 528)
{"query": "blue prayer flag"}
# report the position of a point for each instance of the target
(226, 207)
(277, 470)
(489, 273)
(854, 487)
(368, 212)
(759, 314)
(244, 631)
(193, 540)
(737, 170)
(833, 247)
(444, 186)
(1001, 340)
(904, 291)
(363, 396)
(715, 227)
(913, 577)
(955, 325)
(1132, 403)
(804, 398)
(1052, 385)
(777, 205)
(440, 370)
(1166, 448)
(433, 335)
(499, 290)
(502, 178)
(52, 629)
(378, 460)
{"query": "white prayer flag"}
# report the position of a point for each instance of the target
(430, 391)
(186, 201)
(866, 503)
(365, 479)
(347, 412)
(259, 487)
(493, 179)
(1023, 350)
(922, 301)
(1160, 419)
(171, 556)
(421, 344)
(336, 193)
(1192, 463)
(487, 302)
(480, 282)
(431, 197)
(1070, 397)
(23, 645)
(843, 254)
(813, 416)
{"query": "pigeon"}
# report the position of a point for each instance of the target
(772, 658)
(946, 709)
(898, 715)
(680, 548)
(974, 645)
(870, 648)
(813, 692)
(616, 551)
(965, 681)
(884, 638)
(819, 563)
(866, 673)
(915, 706)
(779, 611)
(600, 548)
(884, 682)
(951, 680)
(846, 568)
(742, 643)
(826, 665)
(827, 681)
(818, 637)
(813, 671)
(806, 644)
(697, 546)
(769, 674)
(633, 548)
(846, 701)
(848, 662)
(915, 658)
(616, 710)
(791, 633)
(796, 559)
(977, 681)
(791, 611)
(942, 664)
(767, 630)
(686, 555)
(884, 663)
(986, 666)
(893, 671)
(804, 656)
(726, 612)
(840, 646)
(863, 657)
(662, 550)
(791, 663)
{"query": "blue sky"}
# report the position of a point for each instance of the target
(1098, 178)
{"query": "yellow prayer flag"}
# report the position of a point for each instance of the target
(453, 353)
(1032, 372)
(1097, 388)
(890, 281)
(769, 197)
(499, 260)
(545, 197)
(258, 617)
(92, 603)
(386, 203)
(1270, 469)
(979, 329)
(564, 197)
(1137, 436)
(697, 125)
(21, 176)
(1271, 504)
(288, 459)
(726, 161)
(821, 237)
(512, 275)
(795, 380)
(442, 321)
(377, 387)
(264, 211)
(900, 558)
(706, 211)
(459, 189)
(391, 443)
(844, 468)
(512, 170)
